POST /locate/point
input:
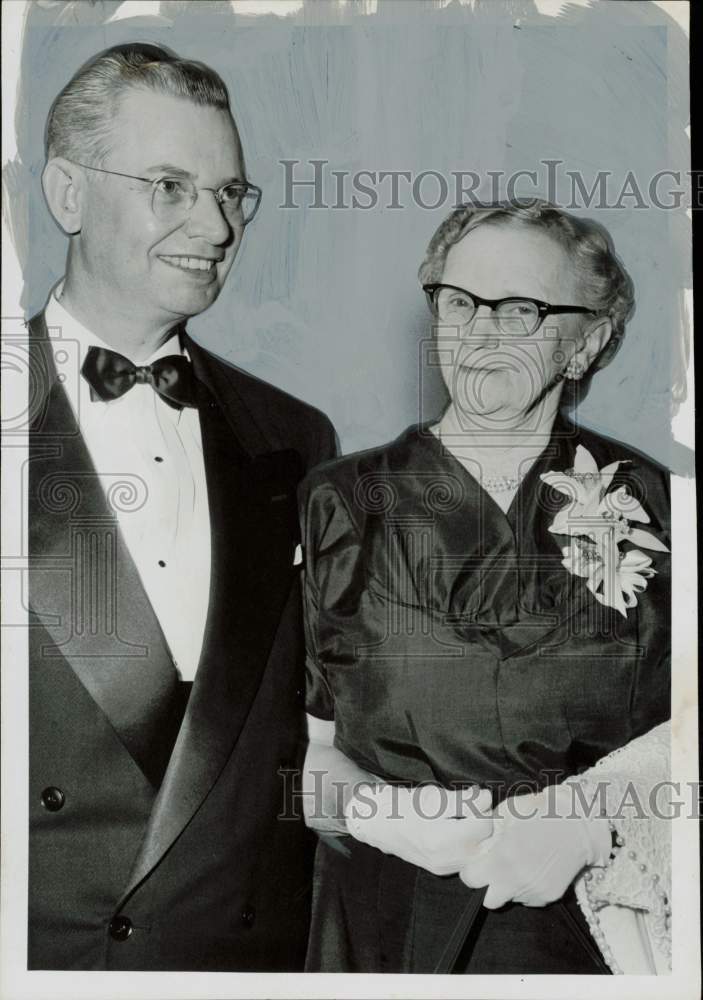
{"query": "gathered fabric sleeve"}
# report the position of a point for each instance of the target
(330, 543)
(627, 903)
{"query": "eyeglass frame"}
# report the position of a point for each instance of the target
(155, 180)
(544, 309)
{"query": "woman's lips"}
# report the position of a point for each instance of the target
(482, 368)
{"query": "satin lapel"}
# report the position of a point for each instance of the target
(247, 435)
(83, 585)
(253, 524)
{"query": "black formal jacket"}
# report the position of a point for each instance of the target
(138, 861)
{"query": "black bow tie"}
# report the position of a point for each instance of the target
(110, 375)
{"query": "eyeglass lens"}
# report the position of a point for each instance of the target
(516, 317)
(173, 197)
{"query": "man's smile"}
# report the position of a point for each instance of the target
(189, 263)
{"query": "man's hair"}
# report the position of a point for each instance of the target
(605, 284)
(80, 122)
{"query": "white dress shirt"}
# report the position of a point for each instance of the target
(156, 452)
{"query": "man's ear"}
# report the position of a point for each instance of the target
(595, 337)
(64, 189)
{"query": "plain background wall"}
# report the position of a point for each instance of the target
(325, 303)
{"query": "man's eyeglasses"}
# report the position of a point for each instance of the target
(516, 317)
(173, 197)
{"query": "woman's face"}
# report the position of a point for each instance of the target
(502, 377)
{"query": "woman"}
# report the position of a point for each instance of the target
(488, 608)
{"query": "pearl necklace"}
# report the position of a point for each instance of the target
(500, 484)
(492, 484)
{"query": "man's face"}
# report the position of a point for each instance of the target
(490, 374)
(168, 270)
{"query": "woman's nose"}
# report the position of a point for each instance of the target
(484, 325)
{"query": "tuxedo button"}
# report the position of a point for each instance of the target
(52, 799)
(300, 694)
(248, 916)
(120, 928)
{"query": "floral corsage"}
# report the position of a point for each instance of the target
(598, 522)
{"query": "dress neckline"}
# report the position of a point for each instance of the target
(552, 454)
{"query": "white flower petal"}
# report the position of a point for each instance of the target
(560, 524)
(636, 512)
(584, 462)
(646, 539)
(603, 518)
(617, 602)
(607, 473)
(635, 560)
(622, 502)
(574, 561)
(593, 585)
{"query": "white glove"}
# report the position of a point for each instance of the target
(433, 827)
(540, 843)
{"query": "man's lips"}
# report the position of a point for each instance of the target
(194, 265)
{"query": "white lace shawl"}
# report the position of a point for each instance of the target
(635, 888)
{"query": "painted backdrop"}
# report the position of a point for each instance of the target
(324, 301)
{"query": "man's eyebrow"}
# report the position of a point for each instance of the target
(171, 170)
(168, 168)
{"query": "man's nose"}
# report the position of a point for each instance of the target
(206, 219)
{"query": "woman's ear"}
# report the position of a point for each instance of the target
(595, 337)
(63, 185)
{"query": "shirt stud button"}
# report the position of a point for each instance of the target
(158, 458)
(161, 563)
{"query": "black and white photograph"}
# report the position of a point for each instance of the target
(349, 528)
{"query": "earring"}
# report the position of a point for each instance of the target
(574, 370)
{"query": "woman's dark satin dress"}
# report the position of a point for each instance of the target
(450, 644)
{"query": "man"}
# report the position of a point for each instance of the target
(164, 554)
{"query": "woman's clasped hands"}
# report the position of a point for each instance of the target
(427, 825)
(528, 850)
(539, 845)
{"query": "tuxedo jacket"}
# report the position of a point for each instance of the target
(143, 859)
